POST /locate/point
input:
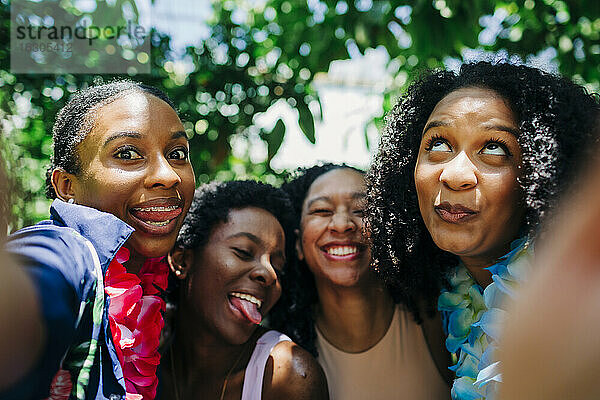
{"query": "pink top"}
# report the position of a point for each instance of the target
(253, 378)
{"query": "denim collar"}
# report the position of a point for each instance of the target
(105, 231)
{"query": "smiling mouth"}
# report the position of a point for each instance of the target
(342, 250)
(153, 218)
(247, 297)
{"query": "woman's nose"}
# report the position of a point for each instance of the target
(341, 222)
(459, 173)
(265, 272)
(162, 174)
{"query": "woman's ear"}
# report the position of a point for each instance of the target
(63, 184)
(299, 252)
(180, 260)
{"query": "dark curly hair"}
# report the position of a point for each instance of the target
(76, 119)
(293, 314)
(555, 118)
(213, 202)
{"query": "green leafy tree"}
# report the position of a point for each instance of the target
(259, 53)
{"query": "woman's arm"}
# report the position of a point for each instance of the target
(292, 373)
(44, 290)
(551, 344)
(21, 326)
(436, 343)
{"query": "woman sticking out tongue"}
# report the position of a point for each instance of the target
(229, 256)
(247, 305)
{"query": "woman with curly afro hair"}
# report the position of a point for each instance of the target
(336, 307)
(228, 257)
(468, 166)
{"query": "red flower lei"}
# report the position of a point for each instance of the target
(135, 320)
(61, 386)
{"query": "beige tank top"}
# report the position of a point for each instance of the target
(398, 367)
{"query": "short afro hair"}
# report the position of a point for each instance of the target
(555, 118)
(213, 202)
(293, 314)
(75, 120)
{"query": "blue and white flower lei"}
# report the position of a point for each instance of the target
(472, 319)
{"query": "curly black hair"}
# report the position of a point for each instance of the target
(293, 314)
(76, 119)
(555, 119)
(213, 202)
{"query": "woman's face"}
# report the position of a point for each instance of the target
(466, 175)
(135, 165)
(331, 228)
(234, 277)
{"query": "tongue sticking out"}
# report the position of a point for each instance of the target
(250, 310)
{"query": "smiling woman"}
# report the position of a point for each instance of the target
(336, 307)
(468, 166)
(122, 183)
(229, 257)
(134, 164)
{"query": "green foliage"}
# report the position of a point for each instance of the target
(275, 138)
(307, 122)
(93, 55)
(261, 52)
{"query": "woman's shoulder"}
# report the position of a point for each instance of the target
(57, 250)
(45, 235)
(70, 240)
(293, 372)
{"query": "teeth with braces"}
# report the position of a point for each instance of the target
(158, 223)
(342, 250)
(161, 209)
(247, 297)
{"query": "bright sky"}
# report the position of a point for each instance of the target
(351, 95)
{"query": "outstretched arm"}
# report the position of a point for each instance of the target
(292, 373)
(551, 347)
(40, 295)
(21, 326)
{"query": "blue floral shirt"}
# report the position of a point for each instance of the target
(68, 279)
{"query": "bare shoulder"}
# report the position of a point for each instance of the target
(292, 371)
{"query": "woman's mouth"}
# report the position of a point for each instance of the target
(247, 305)
(455, 213)
(341, 252)
(156, 219)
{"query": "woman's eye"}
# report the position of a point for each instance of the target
(360, 212)
(242, 254)
(439, 145)
(321, 211)
(179, 154)
(128, 154)
(495, 149)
